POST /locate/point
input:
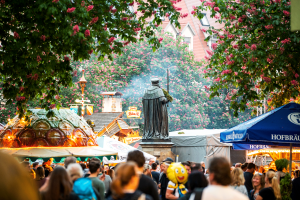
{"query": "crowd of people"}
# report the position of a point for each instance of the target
(138, 180)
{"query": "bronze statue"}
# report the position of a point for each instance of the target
(155, 112)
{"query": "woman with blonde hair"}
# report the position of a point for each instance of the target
(272, 188)
(238, 180)
(15, 182)
(258, 182)
(124, 185)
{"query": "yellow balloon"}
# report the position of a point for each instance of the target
(177, 173)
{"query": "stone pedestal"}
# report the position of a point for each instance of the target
(161, 149)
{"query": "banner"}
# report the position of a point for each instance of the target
(133, 112)
(74, 109)
(89, 110)
(237, 146)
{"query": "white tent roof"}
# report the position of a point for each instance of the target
(195, 132)
(122, 148)
(40, 152)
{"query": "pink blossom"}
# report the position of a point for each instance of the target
(269, 27)
(247, 46)
(193, 12)
(263, 10)
(267, 79)
(160, 39)
(167, 14)
(286, 41)
(124, 18)
(209, 52)
(294, 82)
(70, 10)
(66, 58)
(240, 20)
(235, 73)
(214, 46)
(253, 47)
(16, 35)
(38, 59)
(235, 46)
(269, 60)
(82, 3)
(75, 29)
(296, 75)
(114, 10)
(89, 8)
(217, 9)
(90, 51)
(131, 4)
(110, 40)
(203, 30)
(94, 20)
(87, 33)
(43, 37)
(244, 67)
(217, 79)
(55, 1)
(277, 1)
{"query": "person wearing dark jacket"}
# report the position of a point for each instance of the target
(295, 189)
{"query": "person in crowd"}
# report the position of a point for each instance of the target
(203, 166)
(238, 181)
(111, 173)
(15, 181)
(26, 166)
(163, 181)
(35, 165)
(248, 175)
(146, 184)
(152, 160)
(296, 186)
(59, 186)
(196, 167)
(69, 160)
(106, 168)
(40, 177)
(83, 166)
(238, 165)
(187, 167)
(75, 171)
(158, 166)
(154, 173)
(272, 188)
(244, 167)
(94, 166)
(106, 178)
(83, 187)
(258, 182)
(147, 170)
(126, 182)
(220, 179)
(196, 180)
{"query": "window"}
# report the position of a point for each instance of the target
(204, 21)
(187, 40)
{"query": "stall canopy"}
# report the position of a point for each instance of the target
(122, 149)
(52, 152)
(199, 144)
(279, 127)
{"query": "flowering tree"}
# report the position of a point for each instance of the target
(39, 38)
(256, 53)
(131, 71)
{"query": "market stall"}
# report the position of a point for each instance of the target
(198, 145)
(122, 149)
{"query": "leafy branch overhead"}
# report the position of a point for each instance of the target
(256, 51)
(39, 38)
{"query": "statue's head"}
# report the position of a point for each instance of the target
(155, 81)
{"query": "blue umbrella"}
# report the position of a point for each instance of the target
(279, 127)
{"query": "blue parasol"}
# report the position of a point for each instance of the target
(279, 127)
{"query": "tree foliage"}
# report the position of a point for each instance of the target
(256, 52)
(40, 38)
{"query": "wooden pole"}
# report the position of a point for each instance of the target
(291, 157)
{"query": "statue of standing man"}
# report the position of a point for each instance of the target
(155, 112)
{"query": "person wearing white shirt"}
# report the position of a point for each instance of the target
(220, 180)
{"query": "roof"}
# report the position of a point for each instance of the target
(111, 93)
(103, 119)
(196, 132)
(122, 124)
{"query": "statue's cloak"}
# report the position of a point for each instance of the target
(155, 114)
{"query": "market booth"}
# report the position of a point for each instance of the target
(64, 134)
(120, 147)
(198, 145)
